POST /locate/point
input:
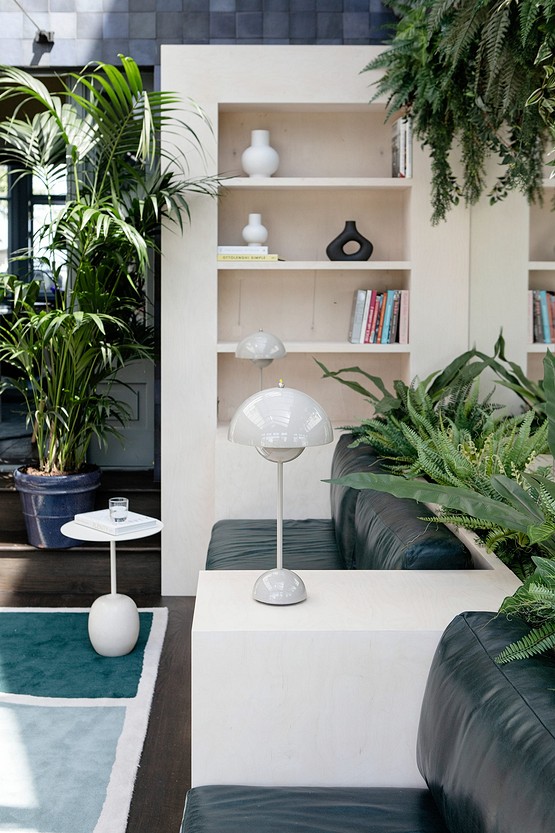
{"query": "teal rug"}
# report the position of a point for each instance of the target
(72, 723)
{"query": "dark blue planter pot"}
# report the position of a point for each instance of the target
(49, 502)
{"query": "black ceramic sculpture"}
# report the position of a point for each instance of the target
(350, 234)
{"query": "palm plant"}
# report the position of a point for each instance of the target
(63, 351)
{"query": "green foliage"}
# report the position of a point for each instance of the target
(66, 363)
(535, 603)
(100, 134)
(449, 394)
(488, 490)
(477, 76)
(450, 456)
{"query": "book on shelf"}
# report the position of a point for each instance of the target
(381, 319)
(404, 317)
(372, 312)
(365, 313)
(101, 521)
(357, 316)
(541, 316)
(401, 148)
(393, 332)
(388, 311)
(374, 323)
(239, 250)
(248, 256)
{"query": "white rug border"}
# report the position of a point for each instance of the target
(115, 811)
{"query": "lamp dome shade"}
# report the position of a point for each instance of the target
(280, 417)
(260, 345)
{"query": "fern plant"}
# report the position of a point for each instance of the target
(451, 456)
(535, 603)
(520, 507)
(450, 393)
(476, 76)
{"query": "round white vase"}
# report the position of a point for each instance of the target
(254, 233)
(260, 159)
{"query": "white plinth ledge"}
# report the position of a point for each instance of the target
(328, 692)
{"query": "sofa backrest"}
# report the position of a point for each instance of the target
(486, 741)
(391, 535)
(343, 499)
(377, 531)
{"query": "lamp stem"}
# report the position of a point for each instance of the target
(279, 529)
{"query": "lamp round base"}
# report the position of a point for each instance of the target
(114, 625)
(279, 587)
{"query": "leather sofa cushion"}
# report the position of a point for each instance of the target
(343, 499)
(486, 742)
(238, 809)
(390, 535)
(251, 545)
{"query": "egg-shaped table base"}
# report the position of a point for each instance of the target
(113, 625)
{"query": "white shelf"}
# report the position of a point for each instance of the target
(288, 183)
(315, 265)
(327, 347)
(541, 265)
(538, 347)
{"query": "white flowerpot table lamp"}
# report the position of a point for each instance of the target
(280, 423)
(261, 349)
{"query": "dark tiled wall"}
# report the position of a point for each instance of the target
(285, 21)
(85, 30)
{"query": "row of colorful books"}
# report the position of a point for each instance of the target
(380, 317)
(541, 316)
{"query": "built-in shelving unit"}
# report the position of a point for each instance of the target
(335, 164)
(335, 154)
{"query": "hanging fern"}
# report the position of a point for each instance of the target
(478, 75)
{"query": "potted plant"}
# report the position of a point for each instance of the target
(65, 341)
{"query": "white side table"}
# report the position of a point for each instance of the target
(113, 618)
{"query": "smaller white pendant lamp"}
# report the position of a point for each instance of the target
(280, 423)
(261, 349)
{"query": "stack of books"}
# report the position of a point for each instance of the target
(102, 521)
(380, 317)
(245, 253)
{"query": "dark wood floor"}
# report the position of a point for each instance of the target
(165, 771)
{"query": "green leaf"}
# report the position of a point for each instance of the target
(536, 642)
(464, 500)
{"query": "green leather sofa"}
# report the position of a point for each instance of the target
(367, 530)
(486, 751)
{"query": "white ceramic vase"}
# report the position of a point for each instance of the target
(260, 160)
(254, 233)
